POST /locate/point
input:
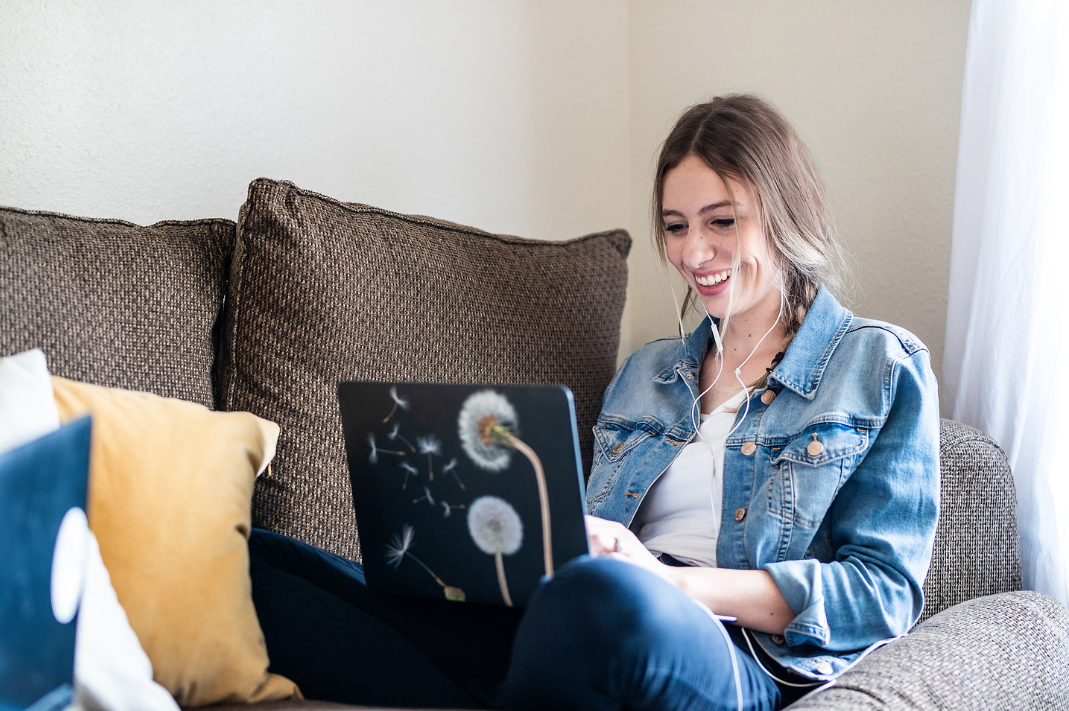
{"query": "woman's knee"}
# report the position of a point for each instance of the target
(610, 600)
(598, 610)
(605, 631)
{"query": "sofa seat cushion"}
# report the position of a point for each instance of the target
(1006, 651)
(113, 303)
(323, 291)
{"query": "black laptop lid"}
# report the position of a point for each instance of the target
(449, 507)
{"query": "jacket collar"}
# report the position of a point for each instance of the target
(809, 352)
(807, 355)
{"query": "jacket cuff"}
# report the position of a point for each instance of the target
(800, 583)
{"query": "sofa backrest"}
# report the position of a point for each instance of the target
(977, 551)
(113, 303)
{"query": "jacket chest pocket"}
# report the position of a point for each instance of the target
(612, 444)
(809, 470)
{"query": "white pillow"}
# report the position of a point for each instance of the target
(111, 671)
(27, 408)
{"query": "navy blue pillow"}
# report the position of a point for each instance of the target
(39, 483)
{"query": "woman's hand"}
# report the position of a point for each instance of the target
(613, 540)
(751, 596)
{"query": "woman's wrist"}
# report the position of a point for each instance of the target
(677, 577)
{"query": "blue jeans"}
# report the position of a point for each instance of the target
(602, 634)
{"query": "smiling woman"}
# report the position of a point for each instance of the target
(777, 465)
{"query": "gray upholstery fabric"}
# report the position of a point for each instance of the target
(1008, 651)
(976, 548)
(114, 303)
(323, 291)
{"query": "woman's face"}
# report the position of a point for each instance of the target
(699, 217)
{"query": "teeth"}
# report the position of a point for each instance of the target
(713, 279)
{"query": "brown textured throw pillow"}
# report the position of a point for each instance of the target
(323, 291)
(114, 303)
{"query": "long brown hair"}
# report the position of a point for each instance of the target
(744, 137)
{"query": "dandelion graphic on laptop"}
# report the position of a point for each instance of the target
(451, 468)
(395, 434)
(430, 446)
(447, 508)
(409, 470)
(400, 547)
(427, 496)
(497, 530)
(398, 403)
(376, 450)
(487, 423)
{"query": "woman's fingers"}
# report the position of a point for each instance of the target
(606, 536)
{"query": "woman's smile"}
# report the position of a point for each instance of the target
(712, 284)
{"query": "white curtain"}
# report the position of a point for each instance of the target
(1006, 366)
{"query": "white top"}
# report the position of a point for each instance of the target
(680, 514)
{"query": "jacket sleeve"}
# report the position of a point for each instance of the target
(881, 525)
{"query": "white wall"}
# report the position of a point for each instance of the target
(511, 116)
(533, 117)
(874, 89)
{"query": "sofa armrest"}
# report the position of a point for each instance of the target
(976, 545)
(997, 652)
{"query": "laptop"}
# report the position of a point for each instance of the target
(43, 531)
(469, 493)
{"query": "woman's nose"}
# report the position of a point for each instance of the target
(697, 250)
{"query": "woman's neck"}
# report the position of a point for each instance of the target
(748, 348)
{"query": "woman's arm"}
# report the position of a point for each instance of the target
(751, 596)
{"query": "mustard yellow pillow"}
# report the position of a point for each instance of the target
(169, 500)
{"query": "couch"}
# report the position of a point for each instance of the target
(267, 313)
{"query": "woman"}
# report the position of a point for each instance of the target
(776, 469)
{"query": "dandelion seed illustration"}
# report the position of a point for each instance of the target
(399, 545)
(395, 433)
(399, 548)
(486, 424)
(430, 446)
(376, 450)
(398, 402)
(451, 468)
(426, 497)
(409, 471)
(447, 508)
(497, 530)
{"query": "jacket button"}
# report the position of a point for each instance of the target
(767, 397)
(824, 668)
(749, 448)
(777, 638)
(616, 449)
(740, 513)
(815, 447)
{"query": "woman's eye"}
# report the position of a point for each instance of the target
(724, 223)
(675, 229)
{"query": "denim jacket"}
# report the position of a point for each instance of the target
(831, 484)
